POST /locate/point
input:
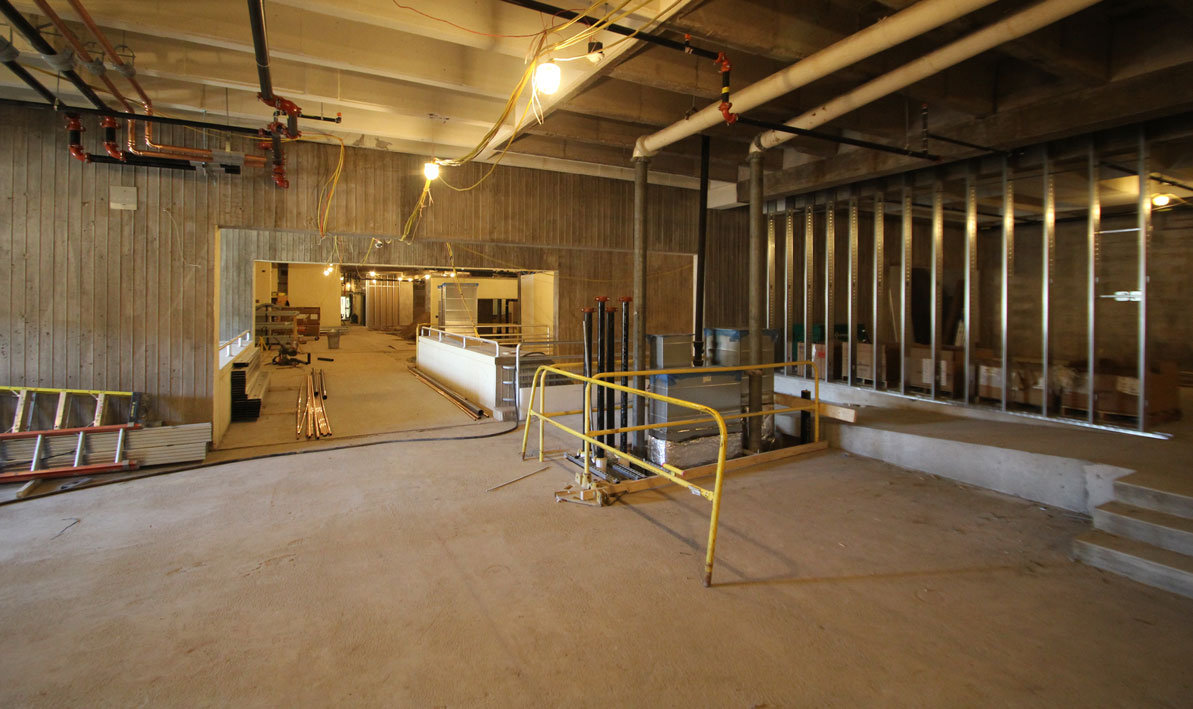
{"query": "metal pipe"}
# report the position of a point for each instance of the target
(261, 48)
(82, 52)
(789, 291)
(937, 280)
(900, 27)
(869, 145)
(614, 28)
(701, 255)
(971, 273)
(878, 362)
(755, 285)
(610, 365)
(602, 365)
(9, 54)
(905, 262)
(61, 108)
(641, 172)
(585, 406)
(830, 281)
(1012, 27)
(851, 321)
(809, 286)
(625, 367)
(18, 21)
(124, 69)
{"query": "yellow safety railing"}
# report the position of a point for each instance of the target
(665, 470)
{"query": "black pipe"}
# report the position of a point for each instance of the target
(600, 367)
(142, 161)
(625, 367)
(25, 76)
(615, 29)
(18, 21)
(585, 405)
(261, 48)
(701, 247)
(611, 364)
(784, 128)
(962, 143)
(62, 108)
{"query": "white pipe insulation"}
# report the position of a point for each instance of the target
(1013, 27)
(916, 20)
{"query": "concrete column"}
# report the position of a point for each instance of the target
(641, 170)
(757, 295)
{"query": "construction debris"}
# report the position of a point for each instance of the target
(311, 413)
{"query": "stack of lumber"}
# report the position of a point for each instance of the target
(249, 383)
(158, 445)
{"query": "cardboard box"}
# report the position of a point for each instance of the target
(949, 362)
(990, 379)
(818, 356)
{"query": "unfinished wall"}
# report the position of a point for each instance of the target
(122, 300)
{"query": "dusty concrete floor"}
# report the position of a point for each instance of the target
(388, 576)
(371, 392)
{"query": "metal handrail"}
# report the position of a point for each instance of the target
(668, 471)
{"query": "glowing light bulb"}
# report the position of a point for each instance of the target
(372, 274)
(1161, 200)
(546, 78)
(427, 277)
(431, 170)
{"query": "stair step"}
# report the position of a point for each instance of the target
(1162, 493)
(1149, 526)
(1141, 562)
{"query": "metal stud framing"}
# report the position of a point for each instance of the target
(1094, 255)
(772, 276)
(937, 278)
(830, 265)
(1047, 267)
(809, 284)
(1008, 268)
(878, 365)
(850, 343)
(789, 288)
(905, 297)
(1145, 237)
(971, 276)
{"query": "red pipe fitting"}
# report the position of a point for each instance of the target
(279, 176)
(110, 145)
(75, 128)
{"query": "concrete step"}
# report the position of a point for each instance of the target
(1162, 493)
(1156, 528)
(1141, 562)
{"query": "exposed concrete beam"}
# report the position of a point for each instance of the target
(316, 39)
(770, 28)
(586, 152)
(1141, 98)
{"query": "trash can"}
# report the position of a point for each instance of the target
(333, 340)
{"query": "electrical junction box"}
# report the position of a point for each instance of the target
(122, 197)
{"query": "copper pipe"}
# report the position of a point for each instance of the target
(80, 49)
(152, 149)
(103, 40)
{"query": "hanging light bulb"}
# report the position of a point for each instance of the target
(546, 78)
(1161, 200)
(431, 170)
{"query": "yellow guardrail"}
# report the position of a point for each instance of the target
(665, 470)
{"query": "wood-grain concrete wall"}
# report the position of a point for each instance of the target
(125, 300)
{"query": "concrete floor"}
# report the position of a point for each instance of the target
(387, 575)
(371, 392)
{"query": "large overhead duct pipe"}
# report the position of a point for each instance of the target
(1013, 27)
(61, 62)
(919, 18)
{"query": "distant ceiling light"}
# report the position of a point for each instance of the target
(431, 170)
(1161, 200)
(546, 78)
(426, 277)
(372, 274)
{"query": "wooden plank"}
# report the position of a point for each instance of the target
(833, 411)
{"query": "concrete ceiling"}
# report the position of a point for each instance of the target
(409, 83)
